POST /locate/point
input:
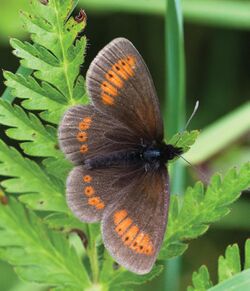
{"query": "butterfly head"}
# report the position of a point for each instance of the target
(159, 153)
(169, 152)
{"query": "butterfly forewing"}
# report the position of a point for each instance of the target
(85, 133)
(133, 226)
(120, 85)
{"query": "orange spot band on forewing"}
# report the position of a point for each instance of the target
(126, 67)
(130, 234)
(131, 61)
(112, 77)
(82, 136)
(85, 123)
(108, 100)
(84, 149)
(108, 88)
(123, 226)
(89, 191)
(87, 178)
(118, 68)
(119, 216)
(121, 71)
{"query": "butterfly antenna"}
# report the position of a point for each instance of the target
(192, 115)
(201, 173)
(190, 118)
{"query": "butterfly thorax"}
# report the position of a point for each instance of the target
(160, 153)
(150, 156)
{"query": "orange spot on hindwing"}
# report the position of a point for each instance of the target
(85, 123)
(87, 178)
(97, 202)
(94, 201)
(131, 236)
(89, 191)
(82, 136)
(121, 71)
(84, 149)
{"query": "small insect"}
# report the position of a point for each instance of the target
(116, 143)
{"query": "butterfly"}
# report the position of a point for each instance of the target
(116, 143)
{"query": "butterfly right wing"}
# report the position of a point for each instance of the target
(86, 133)
(133, 226)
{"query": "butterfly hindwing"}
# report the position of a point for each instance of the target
(133, 227)
(90, 191)
(120, 85)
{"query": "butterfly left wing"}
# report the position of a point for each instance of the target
(85, 133)
(133, 227)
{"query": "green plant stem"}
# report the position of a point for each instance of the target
(174, 110)
(93, 256)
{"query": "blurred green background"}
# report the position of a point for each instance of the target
(217, 46)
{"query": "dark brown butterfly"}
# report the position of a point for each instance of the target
(117, 145)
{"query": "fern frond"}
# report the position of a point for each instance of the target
(201, 208)
(229, 272)
(45, 193)
(38, 254)
(40, 140)
(55, 56)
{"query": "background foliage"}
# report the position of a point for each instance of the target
(217, 63)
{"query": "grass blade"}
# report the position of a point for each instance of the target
(174, 111)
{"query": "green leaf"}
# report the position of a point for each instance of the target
(201, 280)
(108, 270)
(40, 140)
(126, 278)
(65, 222)
(229, 272)
(58, 168)
(230, 264)
(247, 251)
(184, 139)
(172, 250)
(200, 207)
(7, 96)
(238, 282)
(38, 254)
(38, 97)
(28, 177)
